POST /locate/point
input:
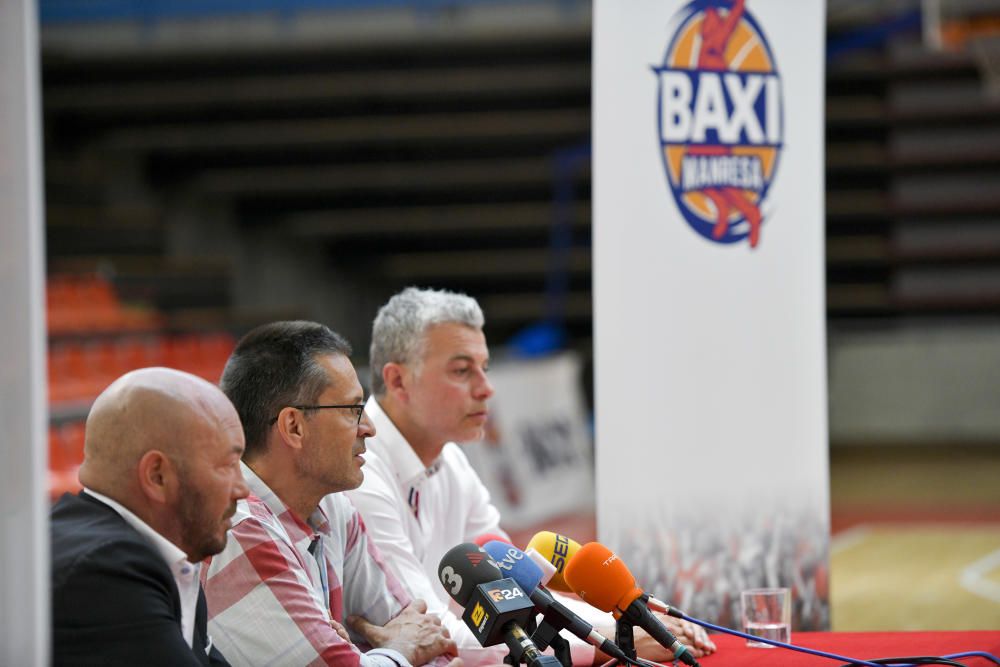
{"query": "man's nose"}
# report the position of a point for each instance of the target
(241, 489)
(366, 429)
(483, 389)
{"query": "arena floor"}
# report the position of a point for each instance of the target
(916, 538)
(916, 541)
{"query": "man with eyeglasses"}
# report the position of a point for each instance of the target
(299, 562)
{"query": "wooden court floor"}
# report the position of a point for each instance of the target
(916, 537)
(916, 542)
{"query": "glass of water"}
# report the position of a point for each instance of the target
(767, 613)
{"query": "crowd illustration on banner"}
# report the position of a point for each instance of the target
(702, 568)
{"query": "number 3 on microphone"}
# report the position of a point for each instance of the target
(451, 580)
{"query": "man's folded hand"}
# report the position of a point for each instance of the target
(418, 636)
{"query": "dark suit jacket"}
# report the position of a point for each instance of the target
(114, 600)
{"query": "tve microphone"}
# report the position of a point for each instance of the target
(496, 609)
(599, 577)
(516, 564)
(558, 549)
(547, 568)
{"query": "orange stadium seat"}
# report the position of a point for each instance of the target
(65, 456)
(93, 341)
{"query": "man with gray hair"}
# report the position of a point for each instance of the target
(420, 497)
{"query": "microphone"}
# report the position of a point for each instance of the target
(515, 564)
(663, 607)
(547, 568)
(496, 608)
(558, 550)
(464, 567)
(600, 578)
(489, 537)
(519, 566)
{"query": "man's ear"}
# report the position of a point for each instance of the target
(157, 476)
(395, 378)
(291, 427)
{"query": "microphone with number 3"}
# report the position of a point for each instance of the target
(496, 609)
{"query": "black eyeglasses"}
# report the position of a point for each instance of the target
(358, 409)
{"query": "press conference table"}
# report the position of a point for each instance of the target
(733, 651)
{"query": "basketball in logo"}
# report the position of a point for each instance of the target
(720, 119)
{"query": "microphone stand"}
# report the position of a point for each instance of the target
(516, 653)
(548, 635)
(625, 638)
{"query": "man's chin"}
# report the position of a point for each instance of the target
(344, 483)
(219, 541)
(469, 435)
(217, 544)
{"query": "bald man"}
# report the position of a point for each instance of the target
(161, 478)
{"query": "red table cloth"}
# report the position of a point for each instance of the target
(733, 651)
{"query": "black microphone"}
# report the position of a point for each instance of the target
(516, 564)
(464, 567)
(496, 609)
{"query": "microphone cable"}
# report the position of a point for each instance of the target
(848, 661)
(975, 654)
(937, 660)
(917, 660)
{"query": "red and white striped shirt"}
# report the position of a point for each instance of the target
(269, 602)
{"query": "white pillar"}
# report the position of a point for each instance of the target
(24, 556)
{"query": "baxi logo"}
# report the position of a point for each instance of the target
(720, 119)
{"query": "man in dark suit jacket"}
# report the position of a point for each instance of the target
(161, 479)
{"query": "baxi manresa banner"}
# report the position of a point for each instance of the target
(709, 327)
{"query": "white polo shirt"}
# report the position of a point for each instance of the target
(415, 514)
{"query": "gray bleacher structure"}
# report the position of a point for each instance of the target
(283, 173)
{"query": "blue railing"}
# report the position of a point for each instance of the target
(87, 11)
(873, 35)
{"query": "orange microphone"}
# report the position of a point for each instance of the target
(601, 579)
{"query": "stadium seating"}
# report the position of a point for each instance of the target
(94, 339)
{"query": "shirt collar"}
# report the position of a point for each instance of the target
(409, 468)
(173, 555)
(297, 530)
